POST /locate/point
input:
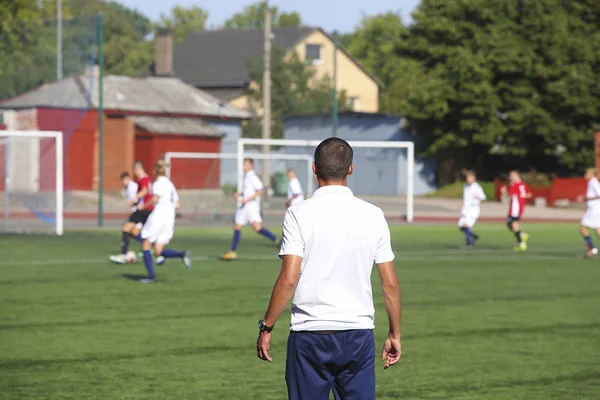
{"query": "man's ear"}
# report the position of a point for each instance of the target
(314, 168)
(351, 169)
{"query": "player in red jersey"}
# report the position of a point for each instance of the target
(138, 218)
(519, 193)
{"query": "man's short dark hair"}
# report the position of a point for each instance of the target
(124, 175)
(333, 158)
(249, 160)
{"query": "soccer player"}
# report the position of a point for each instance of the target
(519, 193)
(472, 197)
(591, 218)
(129, 187)
(158, 229)
(142, 211)
(295, 193)
(249, 211)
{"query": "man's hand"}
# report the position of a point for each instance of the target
(141, 206)
(263, 343)
(392, 351)
(236, 195)
(131, 203)
(503, 190)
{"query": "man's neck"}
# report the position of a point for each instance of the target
(323, 183)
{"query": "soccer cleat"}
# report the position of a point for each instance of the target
(521, 247)
(524, 237)
(160, 260)
(591, 252)
(148, 280)
(118, 259)
(187, 259)
(229, 256)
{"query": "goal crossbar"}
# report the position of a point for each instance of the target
(409, 146)
(59, 173)
(234, 156)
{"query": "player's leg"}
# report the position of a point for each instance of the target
(241, 219)
(163, 240)
(463, 226)
(591, 249)
(148, 262)
(513, 225)
(125, 232)
(256, 220)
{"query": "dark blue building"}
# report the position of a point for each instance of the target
(378, 171)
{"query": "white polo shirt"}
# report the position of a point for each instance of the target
(339, 237)
(593, 190)
(131, 193)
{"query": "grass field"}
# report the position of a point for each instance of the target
(480, 324)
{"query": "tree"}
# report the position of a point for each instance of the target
(517, 79)
(295, 89)
(183, 21)
(253, 16)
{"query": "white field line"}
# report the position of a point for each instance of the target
(570, 252)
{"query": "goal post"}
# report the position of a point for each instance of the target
(401, 171)
(32, 172)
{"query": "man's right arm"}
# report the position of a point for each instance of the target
(392, 348)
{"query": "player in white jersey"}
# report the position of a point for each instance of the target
(249, 210)
(591, 218)
(471, 207)
(158, 229)
(130, 188)
(295, 193)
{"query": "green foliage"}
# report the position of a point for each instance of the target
(295, 89)
(183, 21)
(473, 78)
(253, 16)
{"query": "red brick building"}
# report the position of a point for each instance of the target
(143, 119)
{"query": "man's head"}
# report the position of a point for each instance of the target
(514, 176)
(591, 173)
(333, 161)
(470, 177)
(125, 178)
(291, 174)
(248, 164)
(138, 169)
(160, 169)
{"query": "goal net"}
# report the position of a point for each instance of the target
(383, 170)
(31, 186)
(206, 181)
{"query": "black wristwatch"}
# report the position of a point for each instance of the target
(262, 327)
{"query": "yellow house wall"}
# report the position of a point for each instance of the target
(350, 77)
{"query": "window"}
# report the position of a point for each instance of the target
(353, 103)
(313, 53)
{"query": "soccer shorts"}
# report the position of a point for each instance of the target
(159, 228)
(591, 218)
(139, 217)
(510, 219)
(248, 214)
(469, 216)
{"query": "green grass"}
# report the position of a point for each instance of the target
(483, 324)
(455, 190)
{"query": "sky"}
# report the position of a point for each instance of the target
(340, 15)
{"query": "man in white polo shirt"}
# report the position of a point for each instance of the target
(329, 245)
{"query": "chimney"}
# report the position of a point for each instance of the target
(163, 62)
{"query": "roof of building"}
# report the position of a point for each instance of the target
(219, 58)
(122, 93)
(175, 125)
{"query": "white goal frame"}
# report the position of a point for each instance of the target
(59, 170)
(410, 158)
(234, 156)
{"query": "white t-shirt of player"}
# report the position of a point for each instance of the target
(339, 237)
(131, 192)
(252, 184)
(294, 188)
(593, 190)
(472, 195)
(167, 197)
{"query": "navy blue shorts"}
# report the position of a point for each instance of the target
(342, 362)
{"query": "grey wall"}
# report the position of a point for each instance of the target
(377, 171)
